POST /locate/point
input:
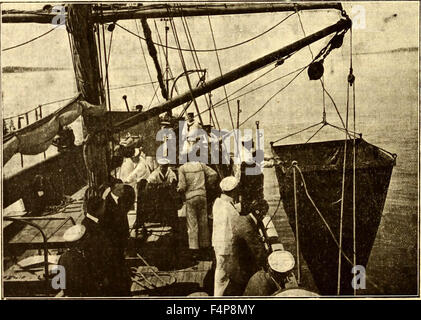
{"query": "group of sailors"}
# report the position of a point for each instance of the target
(224, 221)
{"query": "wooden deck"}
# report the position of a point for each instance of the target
(173, 271)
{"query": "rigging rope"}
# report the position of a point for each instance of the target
(31, 40)
(326, 224)
(162, 49)
(177, 41)
(107, 98)
(195, 56)
(273, 96)
(297, 237)
(153, 53)
(147, 66)
(220, 70)
(222, 102)
(321, 79)
(352, 78)
(216, 49)
(342, 198)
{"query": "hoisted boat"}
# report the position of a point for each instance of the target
(310, 185)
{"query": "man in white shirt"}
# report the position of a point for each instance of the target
(224, 212)
(193, 177)
(143, 169)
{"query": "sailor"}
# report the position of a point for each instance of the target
(162, 186)
(140, 175)
(274, 277)
(193, 177)
(189, 131)
(38, 196)
(87, 262)
(224, 213)
(143, 169)
(114, 222)
(119, 199)
(78, 280)
(131, 159)
(96, 245)
(248, 248)
(64, 139)
(251, 183)
(163, 174)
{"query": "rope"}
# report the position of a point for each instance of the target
(195, 58)
(162, 49)
(107, 98)
(135, 85)
(342, 199)
(354, 245)
(216, 49)
(326, 224)
(322, 79)
(99, 55)
(297, 238)
(246, 85)
(295, 133)
(220, 70)
(147, 66)
(273, 96)
(221, 102)
(33, 39)
(177, 41)
(153, 53)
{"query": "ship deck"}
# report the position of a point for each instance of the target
(171, 271)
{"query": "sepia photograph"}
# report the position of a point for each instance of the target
(201, 150)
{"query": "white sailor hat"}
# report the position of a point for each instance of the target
(228, 183)
(246, 138)
(281, 261)
(163, 161)
(295, 292)
(74, 233)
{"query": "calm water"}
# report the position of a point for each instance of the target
(386, 114)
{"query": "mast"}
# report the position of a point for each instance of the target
(233, 75)
(80, 25)
(171, 10)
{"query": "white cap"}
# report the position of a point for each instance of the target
(246, 137)
(74, 233)
(296, 292)
(281, 261)
(228, 183)
(163, 161)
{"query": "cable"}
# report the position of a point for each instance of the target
(33, 39)
(220, 70)
(221, 102)
(217, 49)
(273, 96)
(147, 66)
(183, 63)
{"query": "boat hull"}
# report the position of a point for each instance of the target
(321, 165)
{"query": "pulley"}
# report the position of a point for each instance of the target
(111, 27)
(315, 70)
